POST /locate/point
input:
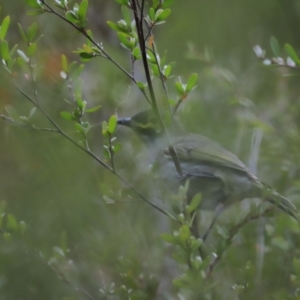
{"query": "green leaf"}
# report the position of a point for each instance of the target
(77, 113)
(86, 126)
(126, 14)
(12, 223)
(59, 4)
(31, 50)
(167, 70)
(123, 27)
(124, 40)
(180, 88)
(72, 66)
(35, 12)
(79, 128)
(77, 72)
(70, 16)
(176, 209)
(275, 47)
(13, 50)
(83, 9)
(4, 50)
(191, 84)
(169, 238)
(22, 64)
(86, 55)
(4, 27)
(23, 55)
(93, 109)
(67, 116)
(106, 153)
(196, 244)
(281, 243)
(32, 112)
(181, 257)
(161, 14)
(112, 124)
(194, 203)
(289, 50)
(136, 53)
(113, 26)
(24, 119)
(23, 35)
(12, 112)
(8, 65)
(184, 232)
(33, 3)
(117, 147)
(142, 86)
(104, 125)
(152, 14)
(80, 102)
(155, 70)
(58, 252)
(78, 86)
(64, 63)
(172, 102)
(89, 33)
(155, 3)
(31, 31)
(151, 58)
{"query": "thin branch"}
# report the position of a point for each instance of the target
(33, 81)
(35, 254)
(142, 42)
(161, 75)
(31, 126)
(105, 54)
(250, 217)
(139, 28)
(142, 13)
(176, 161)
(94, 156)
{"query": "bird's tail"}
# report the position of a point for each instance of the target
(284, 204)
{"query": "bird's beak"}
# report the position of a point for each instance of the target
(124, 121)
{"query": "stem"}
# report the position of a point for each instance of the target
(111, 151)
(94, 156)
(9, 119)
(250, 217)
(163, 82)
(36, 255)
(105, 54)
(140, 32)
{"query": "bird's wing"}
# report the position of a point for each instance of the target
(198, 148)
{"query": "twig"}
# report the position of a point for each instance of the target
(94, 156)
(139, 28)
(64, 278)
(250, 217)
(105, 54)
(9, 119)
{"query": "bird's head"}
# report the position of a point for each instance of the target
(145, 124)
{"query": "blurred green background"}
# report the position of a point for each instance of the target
(65, 197)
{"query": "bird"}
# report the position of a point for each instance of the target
(219, 175)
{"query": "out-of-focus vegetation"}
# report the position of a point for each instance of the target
(89, 236)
